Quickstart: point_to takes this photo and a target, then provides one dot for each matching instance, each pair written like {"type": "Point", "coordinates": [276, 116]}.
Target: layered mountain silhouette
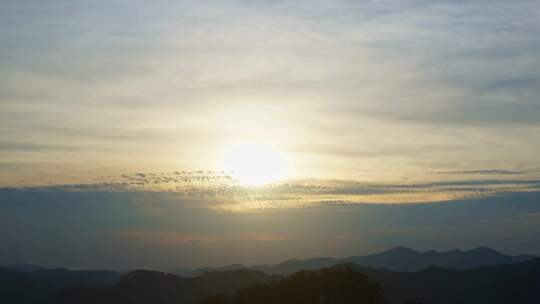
{"type": "Point", "coordinates": [200, 271]}
{"type": "Point", "coordinates": [510, 283]}
{"type": "Point", "coordinates": [515, 283]}
{"type": "Point", "coordinates": [477, 276]}
{"type": "Point", "coordinates": [398, 259]}
{"type": "Point", "coordinates": [143, 286]}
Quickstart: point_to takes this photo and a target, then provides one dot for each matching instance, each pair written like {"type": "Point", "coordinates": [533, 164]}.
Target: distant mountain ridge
{"type": "Point", "coordinates": [406, 259]}
{"type": "Point", "coordinates": [200, 271]}
{"type": "Point", "coordinates": [398, 259]}
{"type": "Point", "coordinates": [22, 266]}
{"type": "Point", "coordinates": [510, 283]}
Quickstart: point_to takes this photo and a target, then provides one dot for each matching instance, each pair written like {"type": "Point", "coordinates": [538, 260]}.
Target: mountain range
{"type": "Point", "coordinates": [456, 276]}
{"type": "Point", "coordinates": [503, 284]}
{"type": "Point", "coordinates": [397, 258]}
{"type": "Point", "coordinates": [144, 286]}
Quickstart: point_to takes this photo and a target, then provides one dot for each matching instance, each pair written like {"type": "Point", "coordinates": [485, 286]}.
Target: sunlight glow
{"type": "Point", "coordinates": [254, 163]}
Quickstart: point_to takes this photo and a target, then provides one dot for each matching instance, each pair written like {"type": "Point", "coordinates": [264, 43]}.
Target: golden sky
{"type": "Point", "coordinates": [369, 91]}
{"type": "Point", "coordinates": [179, 133]}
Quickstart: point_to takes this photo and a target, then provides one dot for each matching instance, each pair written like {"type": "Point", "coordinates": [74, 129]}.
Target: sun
{"type": "Point", "coordinates": [254, 163]}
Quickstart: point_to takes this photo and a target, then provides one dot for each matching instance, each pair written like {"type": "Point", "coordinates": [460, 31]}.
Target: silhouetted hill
{"type": "Point", "coordinates": [295, 265]}
{"type": "Point", "coordinates": [404, 259]}
{"type": "Point", "coordinates": [155, 287]}
{"type": "Point", "coordinates": [200, 271]}
{"type": "Point", "coordinates": [330, 285]}
{"type": "Point", "coordinates": [24, 267]}
{"type": "Point", "coordinates": [398, 259]}
{"type": "Point", "coordinates": [34, 286]}
{"type": "Point", "coordinates": [510, 283]}
{"type": "Point", "coordinates": [183, 272]}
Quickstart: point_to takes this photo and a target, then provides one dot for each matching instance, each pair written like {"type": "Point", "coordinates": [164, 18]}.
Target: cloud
{"type": "Point", "coordinates": [481, 172]}
{"type": "Point", "coordinates": [156, 237]}
{"type": "Point", "coordinates": [382, 88]}
{"type": "Point", "coordinates": [33, 147]}
{"type": "Point", "coordinates": [217, 191]}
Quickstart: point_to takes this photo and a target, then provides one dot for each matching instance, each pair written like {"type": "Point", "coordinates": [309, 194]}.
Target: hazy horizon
{"type": "Point", "coordinates": [217, 267]}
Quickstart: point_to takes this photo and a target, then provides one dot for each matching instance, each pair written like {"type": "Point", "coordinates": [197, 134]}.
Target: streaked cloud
{"type": "Point", "coordinates": [407, 121]}
{"type": "Point", "coordinates": [413, 86]}
{"type": "Point", "coordinates": [218, 190]}
{"type": "Point", "coordinates": [153, 237]}
{"type": "Point", "coordinates": [481, 172]}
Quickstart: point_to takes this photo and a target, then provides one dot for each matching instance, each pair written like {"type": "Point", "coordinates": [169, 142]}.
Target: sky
{"type": "Point", "coordinates": [395, 123]}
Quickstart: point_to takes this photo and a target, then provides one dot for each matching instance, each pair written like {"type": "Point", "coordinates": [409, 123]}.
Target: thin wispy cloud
{"type": "Point", "coordinates": [482, 172]}
{"type": "Point", "coordinates": [406, 120]}
{"type": "Point", "coordinates": [409, 85]}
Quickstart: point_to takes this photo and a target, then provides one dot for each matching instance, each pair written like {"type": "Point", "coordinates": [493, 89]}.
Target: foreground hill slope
{"type": "Point", "coordinates": [24, 286]}
{"type": "Point", "coordinates": [512, 283]}
{"type": "Point", "coordinates": [326, 286]}
{"type": "Point", "coordinates": [143, 286]}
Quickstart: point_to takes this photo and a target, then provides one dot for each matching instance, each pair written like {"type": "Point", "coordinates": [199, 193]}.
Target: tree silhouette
{"type": "Point", "coordinates": [327, 286]}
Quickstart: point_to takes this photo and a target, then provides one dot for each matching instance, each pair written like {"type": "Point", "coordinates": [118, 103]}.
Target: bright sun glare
{"type": "Point", "coordinates": [254, 163]}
